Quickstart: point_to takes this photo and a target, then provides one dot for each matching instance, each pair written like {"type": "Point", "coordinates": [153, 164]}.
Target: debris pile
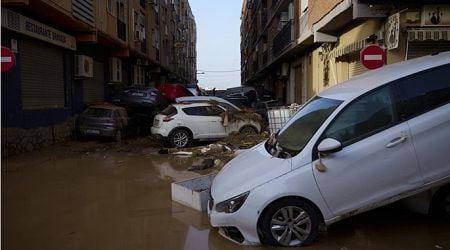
{"type": "Point", "coordinates": [217, 154]}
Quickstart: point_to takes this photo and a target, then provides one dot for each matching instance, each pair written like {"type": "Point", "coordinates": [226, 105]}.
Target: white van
{"type": "Point", "coordinates": [375, 139]}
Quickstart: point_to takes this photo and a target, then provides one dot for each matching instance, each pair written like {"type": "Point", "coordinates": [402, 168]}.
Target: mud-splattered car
{"type": "Point", "coordinates": [182, 123]}
{"type": "Point", "coordinates": [103, 121]}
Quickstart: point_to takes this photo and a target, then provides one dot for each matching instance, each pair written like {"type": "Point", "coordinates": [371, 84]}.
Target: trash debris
{"type": "Point", "coordinates": [206, 163]}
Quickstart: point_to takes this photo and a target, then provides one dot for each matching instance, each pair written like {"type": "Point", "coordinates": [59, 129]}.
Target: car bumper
{"type": "Point", "coordinates": [160, 131]}
{"type": "Point", "coordinates": [239, 227]}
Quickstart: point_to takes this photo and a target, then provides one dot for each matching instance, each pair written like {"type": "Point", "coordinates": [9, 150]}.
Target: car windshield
{"type": "Point", "coordinates": [293, 137]}
{"type": "Point", "coordinates": [170, 111]}
{"type": "Point", "coordinates": [98, 112]}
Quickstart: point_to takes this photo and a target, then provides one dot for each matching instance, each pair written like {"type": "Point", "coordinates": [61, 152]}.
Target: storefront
{"type": "Point", "coordinates": [37, 92]}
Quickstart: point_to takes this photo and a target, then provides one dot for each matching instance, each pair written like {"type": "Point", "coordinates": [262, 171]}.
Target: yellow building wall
{"type": "Point", "coordinates": [338, 70]}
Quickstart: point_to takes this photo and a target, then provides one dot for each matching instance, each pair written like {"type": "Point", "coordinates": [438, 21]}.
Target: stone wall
{"type": "Point", "coordinates": [18, 140]}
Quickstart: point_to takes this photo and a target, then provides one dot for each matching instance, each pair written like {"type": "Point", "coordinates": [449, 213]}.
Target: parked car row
{"type": "Point", "coordinates": [189, 118]}
{"type": "Point", "coordinates": [133, 111]}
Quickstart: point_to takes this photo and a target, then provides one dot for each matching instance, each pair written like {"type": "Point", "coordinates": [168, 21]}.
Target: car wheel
{"type": "Point", "coordinates": [441, 203]}
{"type": "Point", "coordinates": [248, 130]}
{"type": "Point", "coordinates": [118, 136]}
{"type": "Point", "coordinates": [180, 138]}
{"type": "Point", "coordinates": [290, 222]}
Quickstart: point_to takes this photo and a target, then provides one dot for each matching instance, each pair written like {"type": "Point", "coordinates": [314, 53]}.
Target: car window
{"type": "Point", "coordinates": [227, 106]}
{"type": "Point", "coordinates": [424, 91]}
{"type": "Point", "coordinates": [296, 133]}
{"type": "Point", "coordinates": [198, 111]}
{"type": "Point", "coordinates": [366, 116]}
{"type": "Point", "coordinates": [98, 112]}
{"type": "Point", "coordinates": [214, 111]}
{"type": "Point", "coordinates": [170, 111]}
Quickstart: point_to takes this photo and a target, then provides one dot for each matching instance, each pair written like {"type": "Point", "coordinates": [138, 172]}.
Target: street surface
{"type": "Point", "coordinates": [99, 195]}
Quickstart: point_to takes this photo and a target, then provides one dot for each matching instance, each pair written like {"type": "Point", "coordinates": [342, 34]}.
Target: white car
{"type": "Point", "coordinates": [375, 139]}
{"type": "Point", "coordinates": [181, 123]}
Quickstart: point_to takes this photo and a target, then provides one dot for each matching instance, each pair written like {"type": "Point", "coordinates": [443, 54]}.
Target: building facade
{"type": "Point", "coordinates": [298, 48]}
{"type": "Point", "coordinates": [72, 53]}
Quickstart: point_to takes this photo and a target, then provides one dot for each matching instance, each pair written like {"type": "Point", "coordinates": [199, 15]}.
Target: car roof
{"type": "Point", "coordinates": [361, 84]}
{"type": "Point", "coordinates": [189, 105]}
{"type": "Point", "coordinates": [204, 99]}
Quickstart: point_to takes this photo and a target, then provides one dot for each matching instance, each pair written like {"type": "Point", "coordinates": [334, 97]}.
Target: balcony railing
{"type": "Point", "coordinates": [282, 39]}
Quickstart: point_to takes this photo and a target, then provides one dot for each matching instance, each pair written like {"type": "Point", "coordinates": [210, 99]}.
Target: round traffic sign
{"type": "Point", "coordinates": [8, 59]}
{"type": "Point", "coordinates": [373, 56]}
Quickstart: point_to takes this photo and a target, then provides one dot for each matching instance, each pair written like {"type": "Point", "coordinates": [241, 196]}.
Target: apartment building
{"type": "Point", "coordinates": [72, 53]}
{"type": "Point", "coordinates": [298, 48]}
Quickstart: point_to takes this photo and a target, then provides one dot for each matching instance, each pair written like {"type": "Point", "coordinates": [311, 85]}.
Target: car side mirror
{"type": "Point", "coordinates": [329, 145]}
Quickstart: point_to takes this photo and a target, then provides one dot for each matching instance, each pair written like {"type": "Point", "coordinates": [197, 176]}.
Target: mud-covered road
{"type": "Point", "coordinates": [99, 195]}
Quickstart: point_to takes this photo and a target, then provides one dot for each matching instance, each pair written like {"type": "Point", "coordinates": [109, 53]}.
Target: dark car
{"type": "Point", "coordinates": [173, 90]}
{"type": "Point", "coordinates": [103, 121]}
{"type": "Point", "coordinates": [242, 96]}
{"type": "Point", "coordinates": [141, 97]}
{"type": "Point", "coordinates": [194, 89]}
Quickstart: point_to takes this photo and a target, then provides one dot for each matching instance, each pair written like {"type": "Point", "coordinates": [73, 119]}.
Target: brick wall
{"type": "Point", "coordinates": [319, 8]}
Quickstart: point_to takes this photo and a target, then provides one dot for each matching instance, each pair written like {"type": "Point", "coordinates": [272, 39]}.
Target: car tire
{"type": "Point", "coordinates": [248, 130]}
{"type": "Point", "coordinates": [180, 138]}
{"type": "Point", "coordinates": [118, 135]}
{"type": "Point", "coordinates": [440, 206]}
{"type": "Point", "coordinates": [289, 222]}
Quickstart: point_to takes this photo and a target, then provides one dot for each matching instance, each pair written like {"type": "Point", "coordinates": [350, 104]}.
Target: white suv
{"type": "Point", "coordinates": [182, 123]}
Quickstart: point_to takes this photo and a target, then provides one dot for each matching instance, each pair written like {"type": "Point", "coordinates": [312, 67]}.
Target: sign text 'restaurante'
{"type": "Point", "coordinates": [37, 29]}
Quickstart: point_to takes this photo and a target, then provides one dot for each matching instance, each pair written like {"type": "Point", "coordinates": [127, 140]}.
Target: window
{"type": "Point", "coordinates": [366, 116]}
{"type": "Point", "coordinates": [198, 111]}
{"type": "Point", "coordinates": [424, 91]}
{"type": "Point", "coordinates": [121, 10]}
{"type": "Point", "coordinates": [302, 126]}
{"type": "Point", "coordinates": [214, 111]}
{"type": "Point", "coordinates": [109, 7]}
{"type": "Point", "coordinates": [138, 75]}
{"type": "Point", "coordinates": [169, 111]}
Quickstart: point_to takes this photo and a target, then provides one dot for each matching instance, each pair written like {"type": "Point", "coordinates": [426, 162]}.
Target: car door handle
{"type": "Point", "coordinates": [396, 141]}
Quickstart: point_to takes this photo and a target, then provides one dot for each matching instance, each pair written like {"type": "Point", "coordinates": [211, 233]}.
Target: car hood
{"type": "Point", "coordinates": [247, 171]}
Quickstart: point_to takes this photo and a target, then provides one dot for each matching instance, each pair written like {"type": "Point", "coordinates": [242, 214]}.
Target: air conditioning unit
{"type": "Point", "coordinates": [84, 66]}
{"type": "Point", "coordinates": [115, 69]}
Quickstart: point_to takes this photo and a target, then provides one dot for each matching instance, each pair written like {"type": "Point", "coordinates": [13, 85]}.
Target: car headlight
{"type": "Point", "coordinates": [233, 204]}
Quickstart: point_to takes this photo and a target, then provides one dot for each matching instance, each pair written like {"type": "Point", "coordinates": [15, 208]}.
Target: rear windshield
{"type": "Point", "coordinates": [135, 92]}
{"type": "Point", "coordinates": [169, 111]}
{"type": "Point", "coordinates": [98, 112]}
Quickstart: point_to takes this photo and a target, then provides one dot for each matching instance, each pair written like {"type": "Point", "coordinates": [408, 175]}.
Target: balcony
{"type": "Point", "coordinates": [282, 39]}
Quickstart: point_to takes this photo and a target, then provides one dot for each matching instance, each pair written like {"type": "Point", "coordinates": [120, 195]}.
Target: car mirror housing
{"type": "Point", "coordinates": [329, 145]}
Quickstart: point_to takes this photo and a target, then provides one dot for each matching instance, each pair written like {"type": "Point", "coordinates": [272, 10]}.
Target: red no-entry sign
{"type": "Point", "coordinates": [8, 59]}
{"type": "Point", "coordinates": [372, 56]}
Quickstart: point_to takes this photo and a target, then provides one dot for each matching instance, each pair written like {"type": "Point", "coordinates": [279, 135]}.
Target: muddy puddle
{"type": "Point", "coordinates": [84, 195]}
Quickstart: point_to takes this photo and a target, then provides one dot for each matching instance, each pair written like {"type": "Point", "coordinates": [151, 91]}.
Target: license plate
{"type": "Point", "coordinates": [138, 94]}
{"type": "Point", "coordinates": [93, 131]}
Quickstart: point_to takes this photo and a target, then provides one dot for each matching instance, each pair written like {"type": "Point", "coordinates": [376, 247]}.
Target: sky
{"type": "Point", "coordinates": [218, 42]}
